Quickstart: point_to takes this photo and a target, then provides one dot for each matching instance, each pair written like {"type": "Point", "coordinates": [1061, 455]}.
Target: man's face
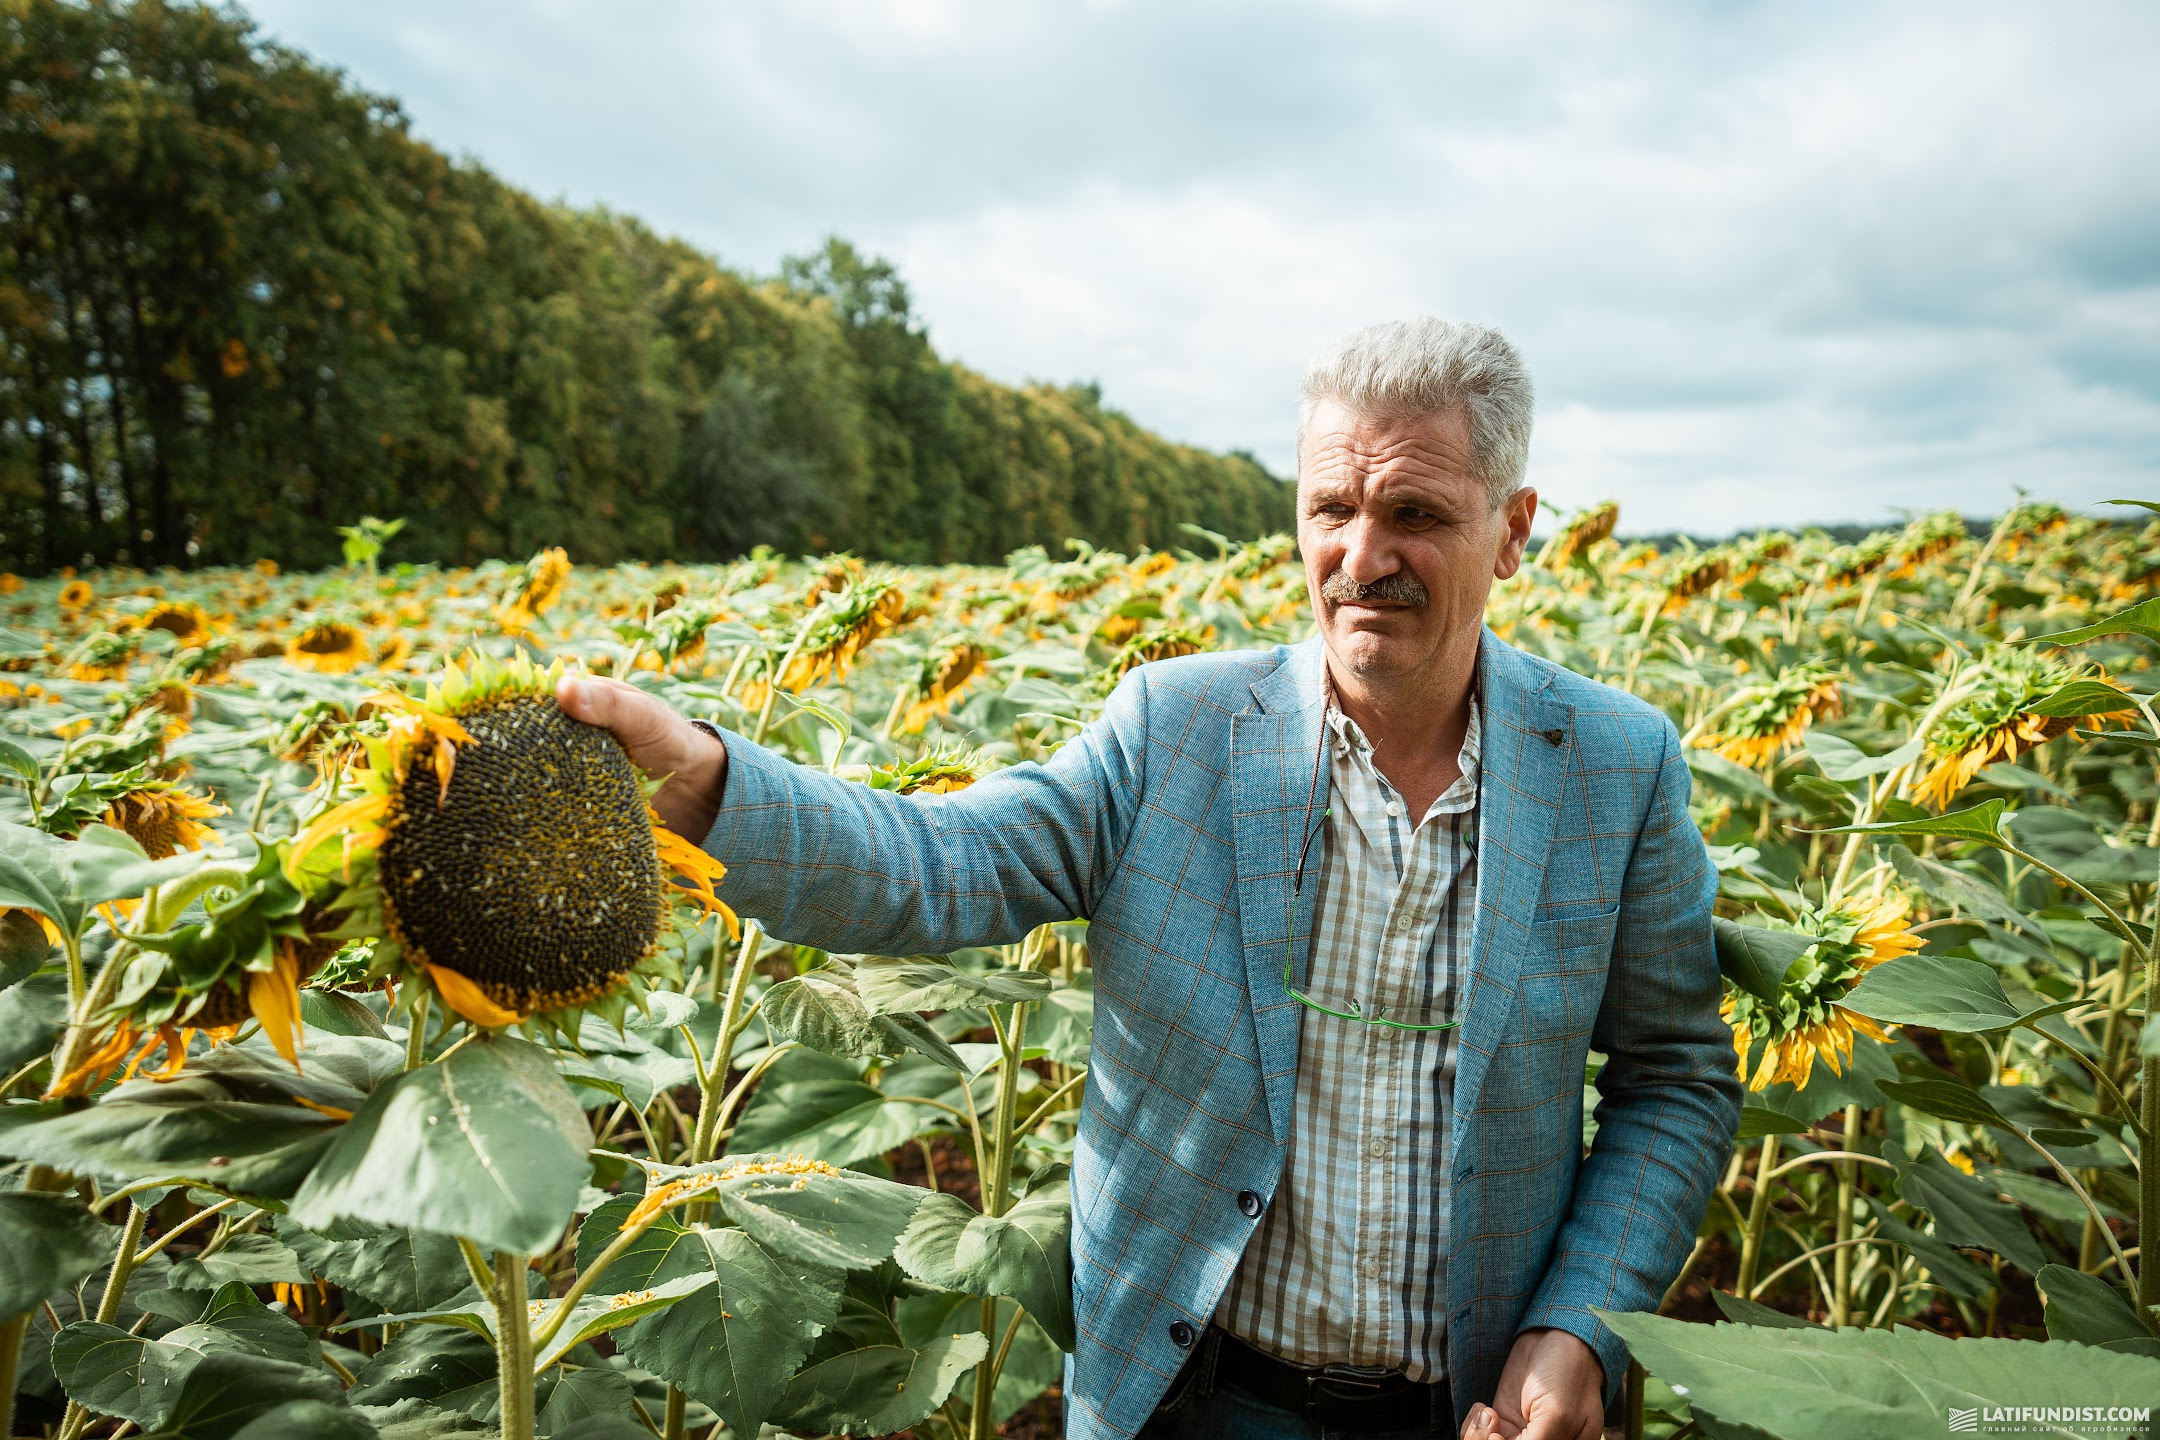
{"type": "Point", "coordinates": [1400, 545]}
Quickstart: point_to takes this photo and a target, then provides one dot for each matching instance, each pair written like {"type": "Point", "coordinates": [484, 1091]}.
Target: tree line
{"type": "Point", "coordinates": [242, 304]}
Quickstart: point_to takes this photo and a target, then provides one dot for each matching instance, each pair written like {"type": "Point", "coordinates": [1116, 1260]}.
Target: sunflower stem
{"type": "Point", "coordinates": [513, 1347]}
{"type": "Point", "coordinates": [1841, 1265]}
{"type": "Point", "coordinates": [706, 1137]}
{"type": "Point", "coordinates": [772, 686]}
{"type": "Point", "coordinates": [77, 1419]}
{"type": "Point", "coordinates": [1758, 1218]}
{"type": "Point", "coordinates": [416, 1037]}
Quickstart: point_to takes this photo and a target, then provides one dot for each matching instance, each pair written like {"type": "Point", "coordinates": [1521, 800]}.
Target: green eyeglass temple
{"type": "Point", "coordinates": [1356, 1012]}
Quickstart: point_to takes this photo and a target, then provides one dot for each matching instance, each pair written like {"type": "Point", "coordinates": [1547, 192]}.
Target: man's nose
{"type": "Point", "coordinates": [1368, 552]}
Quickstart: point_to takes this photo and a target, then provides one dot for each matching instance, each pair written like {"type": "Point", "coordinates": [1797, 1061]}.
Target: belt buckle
{"type": "Point", "coordinates": [1346, 1385]}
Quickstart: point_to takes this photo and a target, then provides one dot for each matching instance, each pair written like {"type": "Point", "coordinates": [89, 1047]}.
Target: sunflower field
{"type": "Point", "coordinates": [375, 1065]}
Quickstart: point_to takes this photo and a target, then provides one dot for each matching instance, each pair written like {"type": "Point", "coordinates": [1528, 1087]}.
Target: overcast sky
{"type": "Point", "coordinates": [1768, 263]}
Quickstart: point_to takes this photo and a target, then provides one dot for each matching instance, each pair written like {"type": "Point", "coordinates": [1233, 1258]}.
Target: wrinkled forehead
{"type": "Point", "coordinates": [1353, 455]}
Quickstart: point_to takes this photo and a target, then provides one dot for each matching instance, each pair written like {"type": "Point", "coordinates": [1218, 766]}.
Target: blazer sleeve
{"type": "Point", "coordinates": [835, 864]}
{"type": "Point", "coordinates": [1669, 1101]}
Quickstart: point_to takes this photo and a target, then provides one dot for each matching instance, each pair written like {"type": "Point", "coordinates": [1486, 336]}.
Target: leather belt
{"type": "Point", "coordinates": [1354, 1400]}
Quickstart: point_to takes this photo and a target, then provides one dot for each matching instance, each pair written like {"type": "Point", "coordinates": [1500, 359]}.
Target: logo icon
{"type": "Point", "coordinates": [1964, 1420]}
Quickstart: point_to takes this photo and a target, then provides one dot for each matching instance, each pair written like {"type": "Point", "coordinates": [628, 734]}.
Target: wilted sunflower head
{"type": "Point", "coordinates": [946, 672]}
{"type": "Point", "coordinates": [331, 647]}
{"type": "Point", "coordinates": [104, 655]}
{"type": "Point", "coordinates": [1767, 718]}
{"type": "Point", "coordinates": [1697, 575]}
{"type": "Point", "coordinates": [546, 575]}
{"type": "Point", "coordinates": [1854, 936]}
{"type": "Point", "coordinates": [504, 852]}
{"type": "Point", "coordinates": [184, 620]}
{"type": "Point", "coordinates": [1161, 645]}
{"type": "Point", "coordinates": [1994, 722]}
{"type": "Point", "coordinates": [944, 769]}
{"type": "Point", "coordinates": [1147, 567]}
{"type": "Point", "coordinates": [1585, 530]}
{"type": "Point", "coordinates": [1926, 538]}
{"type": "Point", "coordinates": [844, 623]}
{"type": "Point", "coordinates": [163, 818]}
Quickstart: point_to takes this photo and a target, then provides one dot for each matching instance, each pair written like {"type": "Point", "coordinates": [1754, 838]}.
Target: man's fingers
{"type": "Point", "coordinates": [1485, 1423]}
{"type": "Point", "coordinates": [644, 726]}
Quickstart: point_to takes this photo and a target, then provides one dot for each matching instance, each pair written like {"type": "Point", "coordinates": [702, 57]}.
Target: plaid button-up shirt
{"type": "Point", "coordinates": [1349, 1264]}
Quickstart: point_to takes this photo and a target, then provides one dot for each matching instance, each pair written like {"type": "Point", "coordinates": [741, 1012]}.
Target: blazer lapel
{"type": "Point", "coordinates": [1528, 734]}
{"type": "Point", "coordinates": [1273, 751]}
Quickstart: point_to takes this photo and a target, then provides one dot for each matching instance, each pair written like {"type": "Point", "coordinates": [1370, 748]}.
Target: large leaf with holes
{"type": "Point", "coordinates": [107, 1370]}
{"type": "Point", "coordinates": [1856, 1384]}
{"type": "Point", "coordinates": [488, 1144]}
{"type": "Point", "coordinates": [1025, 1253]}
{"type": "Point", "coordinates": [739, 1332]}
{"type": "Point", "coordinates": [879, 1389]}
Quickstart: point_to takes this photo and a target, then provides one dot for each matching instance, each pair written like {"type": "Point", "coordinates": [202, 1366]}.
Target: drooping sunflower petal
{"type": "Point", "coordinates": [274, 996]}
{"type": "Point", "coordinates": [469, 1001]}
{"type": "Point", "coordinates": [361, 811]}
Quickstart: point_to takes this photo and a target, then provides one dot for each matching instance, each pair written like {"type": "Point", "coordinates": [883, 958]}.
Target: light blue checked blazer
{"type": "Point", "coordinates": [1172, 825]}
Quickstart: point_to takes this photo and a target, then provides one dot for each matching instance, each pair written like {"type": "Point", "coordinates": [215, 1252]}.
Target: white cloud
{"type": "Point", "coordinates": [1769, 263]}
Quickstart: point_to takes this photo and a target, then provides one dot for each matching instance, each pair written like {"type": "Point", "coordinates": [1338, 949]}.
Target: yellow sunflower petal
{"type": "Point", "coordinates": [274, 996]}
{"type": "Point", "coordinates": [469, 1001]}
{"type": "Point", "coordinates": [363, 810]}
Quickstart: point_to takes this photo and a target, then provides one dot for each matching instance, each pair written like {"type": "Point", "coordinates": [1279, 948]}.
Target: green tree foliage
{"type": "Point", "coordinates": [243, 305]}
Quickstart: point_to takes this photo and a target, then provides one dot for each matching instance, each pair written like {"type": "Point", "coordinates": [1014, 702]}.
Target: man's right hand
{"type": "Point", "coordinates": [661, 743]}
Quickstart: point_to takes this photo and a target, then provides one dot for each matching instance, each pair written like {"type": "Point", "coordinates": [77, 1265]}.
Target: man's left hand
{"type": "Point", "coordinates": [1552, 1388]}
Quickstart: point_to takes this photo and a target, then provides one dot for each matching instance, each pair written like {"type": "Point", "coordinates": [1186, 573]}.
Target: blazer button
{"type": "Point", "coordinates": [1181, 1335]}
{"type": "Point", "coordinates": [1249, 1204]}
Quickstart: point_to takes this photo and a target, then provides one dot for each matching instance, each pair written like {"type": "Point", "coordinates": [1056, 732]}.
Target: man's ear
{"type": "Point", "coordinates": [1516, 513]}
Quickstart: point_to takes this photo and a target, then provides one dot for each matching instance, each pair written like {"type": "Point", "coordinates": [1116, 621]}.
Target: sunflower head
{"type": "Point", "coordinates": [1696, 575]}
{"type": "Point", "coordinates": [329, 647]}
{"type": "Point", "coordinates": [503, 852]}
{"type": "Point", "coordinates": [1994, 721]}
{"type": "Point", "coordinates": [1852, 937]}
{"type": "Point", "coordinates": [163, 818]}
{"type": "Point", "coordinates": [103, 655]}
{"type": "Point", "coordinates": [945, 674]}
{"type": "Point", "coordinates": [1766, 719]}
{"type": "Point", "coordinates": [184, 620]}
{"type": "Point", "coordinates": [546, 575]}
{"type": "Point", "coordinates": [1145, 649]}
{"type": "Point", "coordinates": [845, 622]}
{"type": "Point", "coordinates": [944, 769]}
{"type": "Point", "coordinates": [1585, 530]}
{"type": "Point", "coordinates": [76, 594]}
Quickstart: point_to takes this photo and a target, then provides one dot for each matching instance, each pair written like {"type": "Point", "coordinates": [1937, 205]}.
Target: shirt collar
{"type": "Point", "coordinates": [1351, 741]}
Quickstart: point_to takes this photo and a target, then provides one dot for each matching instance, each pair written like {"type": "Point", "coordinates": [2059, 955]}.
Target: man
{"type": "Point", "coordinates": [1360, 909]}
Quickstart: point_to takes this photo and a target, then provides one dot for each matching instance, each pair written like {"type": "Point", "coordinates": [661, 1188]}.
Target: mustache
{"type": "Point", "coordinates": [1401, 588]}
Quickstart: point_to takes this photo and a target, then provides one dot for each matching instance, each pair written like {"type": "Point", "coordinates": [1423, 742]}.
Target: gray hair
{"type": "Point", "coordinates": [1412, 369]}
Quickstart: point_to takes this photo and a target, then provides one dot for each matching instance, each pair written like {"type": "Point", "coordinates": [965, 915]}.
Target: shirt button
{"type": "Point", "coordinates": [1394, 809]}
{"type": "Point", "coordinates": [1249, 1204]}
{"type": "Point", "coordinates": [1377, 1149]}
{"type": "Point", "coordinates": [1402, 922]}
{"type": "Point", "coordinates": [1181, 1335]}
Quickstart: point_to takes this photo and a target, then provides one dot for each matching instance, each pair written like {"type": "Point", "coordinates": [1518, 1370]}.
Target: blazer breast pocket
{"type": "Point", "coordinates": [1564, 970]}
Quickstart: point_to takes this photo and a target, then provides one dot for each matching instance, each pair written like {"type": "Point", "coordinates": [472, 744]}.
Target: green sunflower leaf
{"type": "Point", "coordinates": [1859, 1384]}
{"type": "Point", "coordinates": [2142, 619]}
{"type": "Point", "coordinates": [1756, 959]}
{"type": "Point", "coordinates": [2089, 1310]}
{"type": "Point", "coordinates": [1982, 822]}
{"type": "Point", "coordinates": [488, 1144]}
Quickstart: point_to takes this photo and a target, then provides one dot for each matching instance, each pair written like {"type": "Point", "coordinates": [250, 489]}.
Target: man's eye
{"type": "Point", "coordinates": [1412, 518]}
